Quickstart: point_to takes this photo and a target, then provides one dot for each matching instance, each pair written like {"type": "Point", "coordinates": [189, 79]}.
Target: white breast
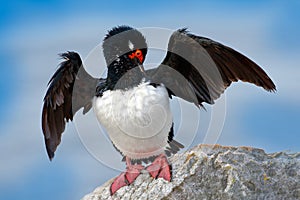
{"type": "Point", "coordinates": [137, 120]}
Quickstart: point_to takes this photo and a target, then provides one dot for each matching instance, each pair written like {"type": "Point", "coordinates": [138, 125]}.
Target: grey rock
{"type": "Point", "coordinates": [217, 172]}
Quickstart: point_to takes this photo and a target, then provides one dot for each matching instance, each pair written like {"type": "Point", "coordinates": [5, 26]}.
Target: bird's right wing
{"type": "Point", "coordinates": [199, 69]}
{"type": "Point", "coordinates": [62, 101]}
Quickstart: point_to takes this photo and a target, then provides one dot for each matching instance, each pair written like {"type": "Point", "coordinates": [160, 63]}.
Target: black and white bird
{"type": "Point", "coordinates": [132, 104]}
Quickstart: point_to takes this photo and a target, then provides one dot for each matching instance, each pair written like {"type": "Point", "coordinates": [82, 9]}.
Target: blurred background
{"type": "Point", "coordinates": [32, 33]}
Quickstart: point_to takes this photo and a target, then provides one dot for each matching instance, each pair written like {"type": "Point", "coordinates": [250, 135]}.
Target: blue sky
{"type": "Point", "coordinates": [32, 33]}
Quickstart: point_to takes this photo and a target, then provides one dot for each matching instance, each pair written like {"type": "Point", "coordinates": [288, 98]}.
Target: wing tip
{"type": "Point", "coordinates": [183, 30]}
{"type": "Point", "coordinates": [69, 55]}
{"type": "Point", "coordinates": [269, 86]}
{"type": "Point", "coordinates": [50, 151]}
{"type": "Point", "coordinates": [50, 154]}
{"type": "Point", "coordinates": [72, 57]}
{"type": "Point", "coordinates": [272, 90]}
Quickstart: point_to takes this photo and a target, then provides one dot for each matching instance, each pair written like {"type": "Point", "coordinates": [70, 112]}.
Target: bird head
{"type": "Point", "coordinates": [124, 49]}
{"type": "Point", "coordinates": [123, 43]}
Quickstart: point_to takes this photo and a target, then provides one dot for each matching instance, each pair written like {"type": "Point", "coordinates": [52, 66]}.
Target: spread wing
{"type": "Point", "coordinates": [62, 101]}
{"type": "Point", "coordinates": [199, 69]}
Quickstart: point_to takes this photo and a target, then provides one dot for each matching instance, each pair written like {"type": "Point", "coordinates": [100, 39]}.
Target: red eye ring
{"type": "Point", "coordinates": [137, 54]}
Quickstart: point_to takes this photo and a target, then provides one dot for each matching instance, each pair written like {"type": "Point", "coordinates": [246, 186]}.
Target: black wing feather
{"type": "Point", "coordinates": [199, 69]}
{"type": "Point", "coordinates": [61, 102]}
{"type": "Point", "coordinates": [234, 66]}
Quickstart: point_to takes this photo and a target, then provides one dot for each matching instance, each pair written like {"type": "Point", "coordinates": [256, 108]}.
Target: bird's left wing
{"type": "Point", "coordinates": [199, 69]}
{"type": "Point", "coordinates": [62, 101]}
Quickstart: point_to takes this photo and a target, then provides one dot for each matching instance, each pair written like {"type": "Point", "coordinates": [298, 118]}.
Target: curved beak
{"type": "Point", "coordinates": [140, 65]}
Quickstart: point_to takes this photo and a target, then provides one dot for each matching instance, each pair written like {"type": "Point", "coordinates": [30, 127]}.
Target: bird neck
{"type": "Point", "coordinates": [123, 76]}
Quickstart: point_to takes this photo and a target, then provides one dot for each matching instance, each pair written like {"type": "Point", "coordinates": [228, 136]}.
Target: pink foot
{"type": "Point", "coordinates": [119, 182]}
{"type": "Point", "coordinates": [165, 173]}
{"type": "Point", "coordinates": [160, 168]}
{"type": "Point", "coordinates": [126, 178]}
{"type": "Point", "coordinates": [132, 172]}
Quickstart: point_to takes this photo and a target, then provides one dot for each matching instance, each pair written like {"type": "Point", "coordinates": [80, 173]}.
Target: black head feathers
{"type": "Point", "coordinates": [116, 30]}
{"type": "Point", "coordinates": [121, 40]}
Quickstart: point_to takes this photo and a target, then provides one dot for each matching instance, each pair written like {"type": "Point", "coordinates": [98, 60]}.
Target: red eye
{"type": "Point", "coordinates": [138, 53]}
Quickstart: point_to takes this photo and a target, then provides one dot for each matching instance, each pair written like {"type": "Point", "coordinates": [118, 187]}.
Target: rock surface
{"type": "Point", "coordinates": [217, 172]}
